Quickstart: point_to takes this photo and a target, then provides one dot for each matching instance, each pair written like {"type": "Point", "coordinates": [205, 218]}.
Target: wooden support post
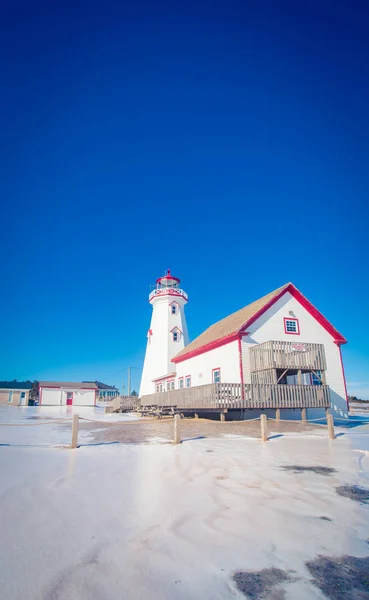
{"type": "Point", "coordinates": [264, 428]}
{"type": "Point", "coordinates": [177, 429]}
{"type": "Point", "coordinates": [303, 414]}
{"type": "Point", "coordinates": [299, 377]}
{"type": "Point", "coordinates": [196, 416]}
{"type": "Point", "coordinates": [277, 414]}
{"type": "Point", "coordinates": [222, 417]}
{"type": "Point", "coordinates": [330, 423]}
{"type": "Point", "coordinates": [74, 432]}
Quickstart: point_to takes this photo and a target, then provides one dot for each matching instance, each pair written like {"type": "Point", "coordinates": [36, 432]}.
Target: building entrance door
{"type": "Point", "coordinates": [69, 398]}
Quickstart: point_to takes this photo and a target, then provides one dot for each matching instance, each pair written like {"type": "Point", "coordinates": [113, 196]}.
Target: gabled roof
{"type": "Point", "coordinates": [78, 385]}
{"type": "Point", "coordinates": [15, 385]}
{"type": "Point", "coordinates": [233, 326]}
{"type": "Point", "coordinates": [101, 386]}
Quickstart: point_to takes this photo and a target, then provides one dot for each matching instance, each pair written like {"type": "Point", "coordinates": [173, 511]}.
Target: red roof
{"type": "Point", "coordinates": [236, 324]}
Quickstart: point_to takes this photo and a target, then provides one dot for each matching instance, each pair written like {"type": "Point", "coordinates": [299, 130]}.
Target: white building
{"type": "Point", "coordinates": [167, 335]}
{"type": "Point", "coordinates": [66, 393]}
{"type": "Point", "coordinates": [222, 354]}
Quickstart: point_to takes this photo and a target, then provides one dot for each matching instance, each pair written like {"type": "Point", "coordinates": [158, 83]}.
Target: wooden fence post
{"type": "Point", "coordinates": [75, 431]}
{"type": "Point", "coordinates": [330, 424]}
{"type": "Point", "coordinates": [222, 417]}
{"type": "Point", "coordinates": [264, 428]}
{"type": "Point", "coordinates": [277, 414]}
{"type": "Point", "coordinates": [196, 416]}
{"type": "Point", "coordinates": [303, 414]}
{"type": "Point", "coordinates": [177, 432]}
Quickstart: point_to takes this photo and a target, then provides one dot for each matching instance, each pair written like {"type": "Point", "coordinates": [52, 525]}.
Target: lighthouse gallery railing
{"type": "Point", "coordinates": [242, 396]}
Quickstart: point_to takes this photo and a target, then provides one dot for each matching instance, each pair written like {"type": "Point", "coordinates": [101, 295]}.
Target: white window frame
{"type": "Point", "coordinates": [216, 378]}
{"type": "Point", "coordinates": [10, 396]}
{"type": "Point", "coordinates": [188, 378]}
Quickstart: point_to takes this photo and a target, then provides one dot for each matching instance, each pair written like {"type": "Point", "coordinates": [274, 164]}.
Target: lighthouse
{"type": "Point", "coordinates": [167, 334]}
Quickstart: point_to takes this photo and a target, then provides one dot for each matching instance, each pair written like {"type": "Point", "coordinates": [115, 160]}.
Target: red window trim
{"type": "Point", "coordinates": [212, 374]}
{"type": "Point", "coordinates": [186, 377]}
{"type": "Point", "coordinates": [291, 332]}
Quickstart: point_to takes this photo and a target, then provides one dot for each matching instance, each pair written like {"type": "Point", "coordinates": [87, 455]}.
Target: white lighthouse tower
{"type": "Point", "coordinates": [167, 334]}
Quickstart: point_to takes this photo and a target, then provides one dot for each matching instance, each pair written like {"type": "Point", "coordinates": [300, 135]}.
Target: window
{"type": "Point", "coordinates": [316, 378]}
{"type": "Point", "coordinates": [172, 385]}
{"type": "Point", "coordinates": [176, 335]}
{"type": "Point", "coordinates": [173, 308]}
{"type": "Point", "coordinates": [180, 383]}
{"type": "Point", "coordinates": [23, 395]}
{"type": "Point", "coordinates": [10, 397]}
{"type": "Point", "coordinates": [188, 381]}
{"type": "Point", "coordinates": [216, 375]}
{"type": "Point", "coordinates": [157, 389]}
{"type": "Point", "coordinates": [168, 386]}
{"type": "Point", "coordinates": [161, 387]}
{"type": "Point", "coordinates": [291, 326]}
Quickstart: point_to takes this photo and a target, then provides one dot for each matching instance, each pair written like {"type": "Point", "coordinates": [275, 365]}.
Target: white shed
{"type": "Point", "coordinates": [66, 393]}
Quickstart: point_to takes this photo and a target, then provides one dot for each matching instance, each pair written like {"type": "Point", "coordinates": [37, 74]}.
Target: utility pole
{"type": "Point", "coordinates": [129, 381]}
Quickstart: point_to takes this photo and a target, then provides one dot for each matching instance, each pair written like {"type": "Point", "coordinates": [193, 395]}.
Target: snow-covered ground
{"type": "Point", "coordinates": [167, 522]}
{"type": "Point", "coordinates": [49, 425]}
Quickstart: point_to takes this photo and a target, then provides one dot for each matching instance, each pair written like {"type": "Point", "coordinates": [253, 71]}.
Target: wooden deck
{"type": "Point", "coordinates": [224, 396]}
{"type": "Point", "coordinates": [287, 355]}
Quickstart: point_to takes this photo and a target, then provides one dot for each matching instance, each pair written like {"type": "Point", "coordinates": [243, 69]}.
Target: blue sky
{"type": "Point", "coordinates": [227, 141]}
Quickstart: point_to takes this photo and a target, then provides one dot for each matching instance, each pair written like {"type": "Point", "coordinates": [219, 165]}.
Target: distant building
{"type": "Point", "coordinates": [16, 393]}
{"type": "Point", "coordinates": [104, 392]}
{"type": "Point", "coordinates": [67, 393]}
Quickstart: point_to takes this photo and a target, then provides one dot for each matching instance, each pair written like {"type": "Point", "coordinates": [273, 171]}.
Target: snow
{"type": "Point", "coordinates": [172, 522]}
{"type": "Point", "coordinates": [50, 432]}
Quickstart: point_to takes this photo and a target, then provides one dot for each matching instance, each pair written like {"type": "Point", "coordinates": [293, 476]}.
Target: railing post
{"type": "Point", "coordinates": [222, 417]}
{"type": "Point", "coordinates": [278, 414]}
{"type": "Point", "coordinates": [330, 424]}
{"type": "Point", "coordinates": [303, 414]}
{"type": "Point", "coordinates": [74, 432]}
{"type": "Point", "coordinates": [264, 428]}
{"type": "Point", "coordinates": [177, 432]}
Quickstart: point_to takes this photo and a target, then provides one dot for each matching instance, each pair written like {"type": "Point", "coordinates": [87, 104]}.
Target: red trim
{"type": "Point", "coordinates": [171, 375]}
{"type": "Point", "coordinates": [168, 276]}
{"type": "Point", "coordinates": [62, 387]}
{"type": "Point", "coordinates": [207, 347]}
{"type": "Point", "coordinates": [297, 326]}
{"type": "Point", "coordinates": [212, 375]}
{"type": "Point", "coordinates": [240, 360]}
{"type": "Point", "coordinates": [186, 377]}
{"type": "Point", "coordinates": [338, 338]}
{"type": "Point", "coordinates": [170, 292]}
{"type": "Point", "coordinates": [343, 374]}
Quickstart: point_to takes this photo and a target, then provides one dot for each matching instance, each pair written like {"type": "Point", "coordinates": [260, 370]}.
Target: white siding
{"type": "Point", "coordinates": [270, 326]}
{"type": "Point", "coordinates": [50, 397]}
{"type": "Point", "coordinates": [58, 397]}
{"type": "Point", "coordinates": [200, 367]}
{"type": "Point", "coordinates": [160, 347]}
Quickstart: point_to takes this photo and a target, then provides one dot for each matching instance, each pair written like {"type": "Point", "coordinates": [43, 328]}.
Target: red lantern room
{"type": "Point", "coordinates": [167, 281]}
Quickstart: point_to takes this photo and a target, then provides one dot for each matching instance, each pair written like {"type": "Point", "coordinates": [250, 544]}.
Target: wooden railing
{"type": "Point", "coordinates": [287, 355]}
{"type": "Point", "coordinates": [238, 395]}
{"type": "Point", "coordinates": [122, 403]}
